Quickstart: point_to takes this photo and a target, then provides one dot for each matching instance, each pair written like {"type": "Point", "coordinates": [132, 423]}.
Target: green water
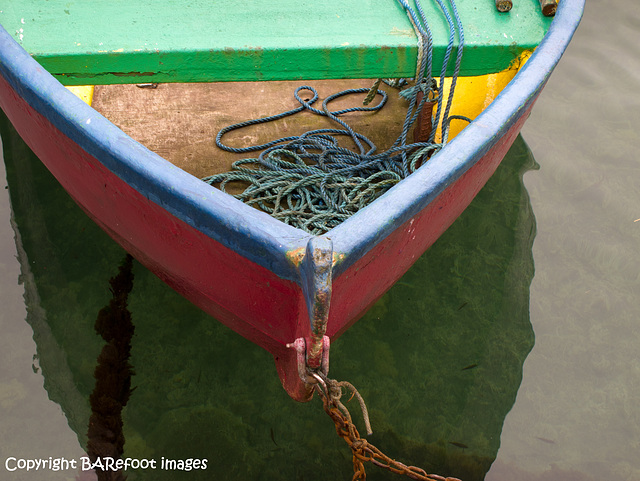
{"type": "Point", "coordinates": [471, 365]}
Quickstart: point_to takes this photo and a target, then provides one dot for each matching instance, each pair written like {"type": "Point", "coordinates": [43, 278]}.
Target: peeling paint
{"type": "Point", "coordinates": [403, 32]}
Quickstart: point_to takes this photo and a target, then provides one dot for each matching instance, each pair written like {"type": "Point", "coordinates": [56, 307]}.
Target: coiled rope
{"type": "Point", "coordinates": [312, 182]}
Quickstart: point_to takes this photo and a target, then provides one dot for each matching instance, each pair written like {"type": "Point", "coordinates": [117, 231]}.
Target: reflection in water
{"type": "Point", "coordinates": [438, 358]}
{"type": "Point", "coordinates": [113, 376]}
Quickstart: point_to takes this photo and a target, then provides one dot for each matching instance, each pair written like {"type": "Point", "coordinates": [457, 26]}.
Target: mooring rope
{"type": "Point", "coordinates": [312, 182]}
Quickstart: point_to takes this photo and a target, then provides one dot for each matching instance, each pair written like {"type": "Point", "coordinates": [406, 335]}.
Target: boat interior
{"type": "Point", "coordinates": [180, 121]}
{"type": "Point", "coordinates": [173, 89]}
{"type": "Point", "coordinates": [172, 76]}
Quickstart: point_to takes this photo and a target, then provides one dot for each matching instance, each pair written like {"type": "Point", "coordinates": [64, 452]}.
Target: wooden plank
{"type": "Point", "coordinates": [180, 121]}
{"type": "Point", "coordinates": [202, 40]}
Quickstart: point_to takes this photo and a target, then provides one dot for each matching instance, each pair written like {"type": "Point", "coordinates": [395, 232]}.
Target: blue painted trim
{"type": "Point", "coordinates": [253, 234]}
{"type": "Point", "coordinates": [364, 230]}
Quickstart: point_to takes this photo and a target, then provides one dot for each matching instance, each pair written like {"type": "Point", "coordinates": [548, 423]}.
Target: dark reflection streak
{"type": "Point", "coordinates": [113, 375]}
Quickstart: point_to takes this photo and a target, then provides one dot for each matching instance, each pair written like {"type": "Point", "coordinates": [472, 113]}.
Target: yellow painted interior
{"type": "Point", "coordinates": [474, 94]}
{"type": "Point", "coordinates": [83, 92]}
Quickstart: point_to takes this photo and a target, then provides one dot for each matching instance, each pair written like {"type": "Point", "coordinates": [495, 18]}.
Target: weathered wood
{"type": "Point", "coordinates": [180, 121]}
{"type": "Point", "coordinates": [120, 41]}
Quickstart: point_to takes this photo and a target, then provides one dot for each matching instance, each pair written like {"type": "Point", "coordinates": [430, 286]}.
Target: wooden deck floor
{"type": "Point", "coordinates": [180, 121]}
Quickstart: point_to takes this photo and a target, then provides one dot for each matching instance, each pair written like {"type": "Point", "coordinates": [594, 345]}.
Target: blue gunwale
{"type": "Point", "coordinates": [253, 234]}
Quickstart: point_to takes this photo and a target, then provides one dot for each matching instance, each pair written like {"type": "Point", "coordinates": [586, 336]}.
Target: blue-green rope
{"type": "Point", "coordinates": [311, 181]}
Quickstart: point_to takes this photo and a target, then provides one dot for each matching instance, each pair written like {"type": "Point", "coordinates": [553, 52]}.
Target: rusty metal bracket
{"type": "Point", "coordinates": [316, 272]}
{"type": "Point", "coordinates": [312, 350]}
{"type": "Point", "coordinates": [424, 123]}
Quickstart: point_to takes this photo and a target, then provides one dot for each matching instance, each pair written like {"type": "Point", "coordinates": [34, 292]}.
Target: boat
{"type": "Point", "coordinates": [287, 289]}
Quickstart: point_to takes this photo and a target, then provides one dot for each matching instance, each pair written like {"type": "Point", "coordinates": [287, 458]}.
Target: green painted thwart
{"type": "Point", "coordinates": [125, 42]}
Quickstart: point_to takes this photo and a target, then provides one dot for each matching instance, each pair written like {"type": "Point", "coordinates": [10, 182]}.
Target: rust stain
{"type": "Point", "coordinates": [100, 74]}
{"type": "Point", "coordinates": [338, 257]}
{"type": "Point", "coordinates": [295, 256]}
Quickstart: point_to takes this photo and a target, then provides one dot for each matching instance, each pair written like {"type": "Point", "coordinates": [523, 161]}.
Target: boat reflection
{"type": "Point", "coordinates": [438, 359]}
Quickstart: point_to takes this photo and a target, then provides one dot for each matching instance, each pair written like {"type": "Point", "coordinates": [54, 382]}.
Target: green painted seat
{"type": "Point", "coordinates": [125, 41]}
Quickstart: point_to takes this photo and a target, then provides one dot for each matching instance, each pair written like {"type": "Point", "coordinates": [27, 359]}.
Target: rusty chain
{"type": "Point", "coordinates": [331, 391]}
